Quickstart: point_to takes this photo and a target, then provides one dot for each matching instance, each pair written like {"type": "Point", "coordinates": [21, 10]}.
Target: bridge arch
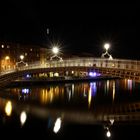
{"type": "Point", "coordinates": [115, 68]}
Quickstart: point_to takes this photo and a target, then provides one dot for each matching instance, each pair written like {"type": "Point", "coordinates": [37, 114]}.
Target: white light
{"type": "Point", "coordinates": [55, 50]}
{"type": "Point", "coordinates": [21, 57]}
{"type": "Point", "coordinates": [48, 31]}
{"type": "Point", "coordinates": [23, 117]}
{"type": "Point", "coordinates": [2, 46]}
{"type": "Point", "coordinates": [57, 125]}
{"type": "Point", "coordinates": [108, 134]}
{"type": "Point", "coordinates": [111, 121]}
{"type": "Point", "coordinates": [72, 72]}
{"type": "Point", "coordinates": [107, 46]}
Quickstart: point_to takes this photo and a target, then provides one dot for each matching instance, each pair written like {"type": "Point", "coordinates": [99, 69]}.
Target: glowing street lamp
{"type": "Point", "coordinates": [21, 61]}
{"type": "Point", "coordinates": [55, 51]}
{"type": "Point", "coordinates": [21, 57]}
{"type": "Point", "coordinates": [107, 46]}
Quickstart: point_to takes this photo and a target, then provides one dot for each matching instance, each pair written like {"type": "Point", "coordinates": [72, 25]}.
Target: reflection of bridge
{"type": "Point", "coordinates": [115, 68]}
{"type": "Point", "coordinates": [122, 113]}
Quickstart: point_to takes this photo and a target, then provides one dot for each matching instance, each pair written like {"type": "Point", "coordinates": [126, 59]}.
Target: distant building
{"type": "Point", "coordinates": [10, 54]}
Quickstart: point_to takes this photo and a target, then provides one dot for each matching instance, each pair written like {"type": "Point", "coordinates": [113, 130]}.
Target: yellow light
{"type": "Point", "coordinates": [7, 58]}
{"type": "Point", "coordinates": [8, 108]}
{"type": "Point", "coordinates": [89, 97]}
{"type": "Point", "coordinates": [23, 117]}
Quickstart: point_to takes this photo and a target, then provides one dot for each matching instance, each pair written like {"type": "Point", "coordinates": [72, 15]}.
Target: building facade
{"type": "Point", "coordinates": [10, 54]}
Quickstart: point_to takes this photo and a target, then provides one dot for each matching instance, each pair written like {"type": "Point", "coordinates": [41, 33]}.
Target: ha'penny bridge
{"type": "Point", "coordinates": [81, 67]}
{"type": "Point", "coordinates": [129, 69]}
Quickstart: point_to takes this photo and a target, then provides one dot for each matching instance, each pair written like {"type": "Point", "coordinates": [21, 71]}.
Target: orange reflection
{"type": "Point", "coordinates": [48, 95]}
{"type": "Point", "coordinates": [8, 108]}
{"type": "Point", "coordinates": [89, 97]}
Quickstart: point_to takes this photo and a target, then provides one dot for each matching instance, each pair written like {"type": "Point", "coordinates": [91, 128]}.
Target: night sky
{"type": "Point", "coordinates": [78, 28]}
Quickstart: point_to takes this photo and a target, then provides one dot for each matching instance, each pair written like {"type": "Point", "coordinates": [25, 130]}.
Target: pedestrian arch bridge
{"type": "Point", "coordinates": [129, 69]}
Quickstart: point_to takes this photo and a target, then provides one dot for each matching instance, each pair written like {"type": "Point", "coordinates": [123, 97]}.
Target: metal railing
{"type": "Point", "coordinates": [81, 62]}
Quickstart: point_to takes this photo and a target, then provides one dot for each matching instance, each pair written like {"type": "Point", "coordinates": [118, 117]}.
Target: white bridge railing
{"type": "Point", "coordinates": [82, 62]}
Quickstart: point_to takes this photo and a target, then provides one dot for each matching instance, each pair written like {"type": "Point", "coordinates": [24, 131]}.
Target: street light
{"type": "Point", "coordinates": [107, 46]}
{"type": "Point", "coordinates": [21, 61]}
{"type": "Point", "coordinates": [55, 51]}
{"type": "Point", "coordinates": [21, 57]}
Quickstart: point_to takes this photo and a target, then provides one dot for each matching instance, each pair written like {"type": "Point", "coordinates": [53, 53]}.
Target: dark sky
{"type": "Point", "coordinates": [79, 28]}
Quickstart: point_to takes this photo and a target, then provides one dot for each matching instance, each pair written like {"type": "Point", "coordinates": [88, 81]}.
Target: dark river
{"type": "Point", "coordinates": [70, 110]}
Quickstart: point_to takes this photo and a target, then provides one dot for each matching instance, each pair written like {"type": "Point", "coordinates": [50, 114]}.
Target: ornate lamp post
{"type": "Point", "coordinates": [107, 46]}
{"type": "Point", "coordinates": [21, 61]}
{"type": "Point", "coordinates": [55, 51]}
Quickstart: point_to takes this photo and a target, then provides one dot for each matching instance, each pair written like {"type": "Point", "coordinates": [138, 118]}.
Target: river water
{"type": "Point", "coordinates": [40, 107]}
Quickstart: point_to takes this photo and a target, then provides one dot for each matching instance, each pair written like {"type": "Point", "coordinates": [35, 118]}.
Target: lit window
{"type": "Point", "coordinates": [31, 49]}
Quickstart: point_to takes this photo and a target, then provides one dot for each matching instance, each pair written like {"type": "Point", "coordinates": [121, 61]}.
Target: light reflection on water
{"type": "Point", "coordinates": [83, 95]}
{"type": "Point", "coordinates": [88, 96]}
{"type": "Point", "coordinates": [75, 102]}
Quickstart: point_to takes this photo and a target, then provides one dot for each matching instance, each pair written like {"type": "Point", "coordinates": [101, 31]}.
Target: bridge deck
{"type": "Point", "coordinates": [129, 69]}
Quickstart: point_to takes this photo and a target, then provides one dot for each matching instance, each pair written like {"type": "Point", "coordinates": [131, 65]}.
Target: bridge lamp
{"type": "Point", "coordinates": [21, 57]}
{"type": "Point", "coordinates": [55, 50]}
{"type": "Point", "coordinates": [107, 46]}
